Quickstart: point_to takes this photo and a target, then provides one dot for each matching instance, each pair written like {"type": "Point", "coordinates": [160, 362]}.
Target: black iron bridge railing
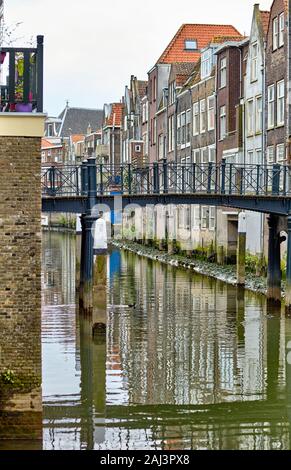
{"type": "Point", "coordinates": [164, 177]}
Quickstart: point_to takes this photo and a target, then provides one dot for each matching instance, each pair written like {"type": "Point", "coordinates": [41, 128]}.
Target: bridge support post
{"type": "Point", "coordinates": [274, 260]}
{"type": "Point", "coordinates": [288, 271]}
{"type": "Point", "coordinates": [86, 265]}
{"type": "Point", "coordinates": [241, 250]}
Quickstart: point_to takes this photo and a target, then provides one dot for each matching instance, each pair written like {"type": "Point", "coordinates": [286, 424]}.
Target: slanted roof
{"type": "Point", "coordinates": [77, 138]}
{"type": "Point", "coordinates": [182, 71]}
{"type": "Point", "coordinates": [76, 120]}
{"type": "Point", "coordinates": [47, 144]}
{"type": "Point", "coordinates": [202, 33]}
{"type": "Point", "coordinates": [115, 115]}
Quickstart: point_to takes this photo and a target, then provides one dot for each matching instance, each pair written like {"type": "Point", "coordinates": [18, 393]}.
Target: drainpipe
{"type": "Point", "coordinates": [113, 140]}
{"type": "Point", "coordinates": [288, 78]}
{"type": "Point", "coordinates": [264, 134]}
{"type": "Point", "coordinates": [175, 130]}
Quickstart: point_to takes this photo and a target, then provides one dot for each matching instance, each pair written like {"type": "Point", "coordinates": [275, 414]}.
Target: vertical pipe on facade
{"type": "Point", "coordinates": [175, 129]}
{"type": "Point", "coordinates": [113, 139]}
{"type": "Point", "coordinates": [263, 125]}
{"type": "Point", "coordinates": [288, 77]}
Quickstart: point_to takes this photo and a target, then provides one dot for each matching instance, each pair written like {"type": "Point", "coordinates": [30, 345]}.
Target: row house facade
{"type": "Point", "coordinates": [215, 96]}
{"type": "Point", "coordinates": [132, 140]}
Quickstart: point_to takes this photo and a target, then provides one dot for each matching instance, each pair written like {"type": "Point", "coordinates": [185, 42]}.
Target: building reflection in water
{"type": "Point", "coordinates": [197, 364]}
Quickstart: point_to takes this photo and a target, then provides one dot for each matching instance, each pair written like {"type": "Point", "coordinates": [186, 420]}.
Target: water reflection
{"type": "Point", "coordinates": [197, 364]}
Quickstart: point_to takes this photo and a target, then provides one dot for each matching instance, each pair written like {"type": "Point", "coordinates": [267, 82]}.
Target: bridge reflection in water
{"type": "Point", "coordinates": [197, 364]}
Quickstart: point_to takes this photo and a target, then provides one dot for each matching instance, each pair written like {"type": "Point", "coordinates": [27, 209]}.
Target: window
{"type": "Point", "coordinates": [250, 160]}
{"type": "Point", "coordinates": [259, 114]}
{"type": "Point", "coordinates": [206, 64]}
{"type": "Point", "coordinates": [270, 154]}
{"type": "Point", "coordinates": [195, 118]}
{"type": "Point", "coordinates": [223, 72]}
{"type": "Point", "coordinates": [211, 113]}
{"type": "Point", "coordinates": [191, 45]}
{"type": "Point", "coordinates": [222, 119]}
{"type": "Point", "coordinates": [155, 88]}
{"type": "Point", "coordinates": [280, 152]}
{"type": "Point", "coordinates": [50, 131]}
{"type": "Point", "coordinates": [211, 218]}
{"type": "Point", "coordinates": [196, 156]}
{"type": "Point", "coordinates": [281, 29]}
{"type": "Point", "coordinates": [258, 157]}
{"type": "Point", "coordinates": [204, 217]}
{"type": "Point", "coordinates": [196, 225]}
{"type": "Point", "coordinates": [254, 62]}
{"type": "Point", "coordinates": [188, 126]}
{"type": "Point", "coordinates": [172, 93]}
{"type": "Point", "coordinates": [183, 128]}
{"type": "Point", "coordinates": [212, 154]}
{"type": "Point", "coordinates": [280, 103]}
{"type": "Point", "coordinates": [204, 155]}
{"type": "Point", "coordinates": [202, 116]}
{"type": "Point", "coordinates": [179, 129]}
{"type": "Point", "coordinates": [171, 142]}
{"type": "Point", "coordinates": [161, 146]}
{"type": "Point", "coordinates": [275, 34]}
{"type": "Point", "coordinates": [250, 117]}
{"type": "Point", "coordinates": [271, 106]}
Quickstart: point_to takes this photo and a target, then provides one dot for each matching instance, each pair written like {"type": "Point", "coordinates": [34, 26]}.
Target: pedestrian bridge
{"type": "Point", "coordinates": [259, 188]}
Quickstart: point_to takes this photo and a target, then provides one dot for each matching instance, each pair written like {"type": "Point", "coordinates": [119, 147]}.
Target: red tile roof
{"type": "Point", "coordinates": [77, 138]}
{"type": "Point", "coordinates": [202, 33]}
{"type": "Point", "coordinates": [47, 144]}
{"type": "Point", "coordinates": [115, 117]}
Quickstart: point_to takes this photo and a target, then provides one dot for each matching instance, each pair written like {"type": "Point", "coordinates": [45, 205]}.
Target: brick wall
{"type": "Point", "coordinates": [20, 286]}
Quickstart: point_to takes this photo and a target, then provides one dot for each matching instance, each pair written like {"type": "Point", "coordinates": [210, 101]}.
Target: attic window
{"type": "Point", "coordinates": [191, 45]}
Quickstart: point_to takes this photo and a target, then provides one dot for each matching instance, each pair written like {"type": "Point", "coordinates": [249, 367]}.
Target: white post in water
{"type": "Point", "coordinates": [100, 281]}
{"type": "Point", "coordinates": [241, 249]}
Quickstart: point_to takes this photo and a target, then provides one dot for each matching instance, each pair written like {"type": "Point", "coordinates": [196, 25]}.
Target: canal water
{"type": "Point", "coordinates": [197, 364]}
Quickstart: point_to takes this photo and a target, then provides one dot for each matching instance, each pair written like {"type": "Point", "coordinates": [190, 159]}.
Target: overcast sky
{"type": "Point", "coordinates": [92, 47]}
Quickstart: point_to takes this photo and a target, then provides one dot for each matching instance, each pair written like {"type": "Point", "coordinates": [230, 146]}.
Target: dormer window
{"type": "Point", "coordinates": [206, 64]}
{"type": "Point", "coordinates": [191, 45]}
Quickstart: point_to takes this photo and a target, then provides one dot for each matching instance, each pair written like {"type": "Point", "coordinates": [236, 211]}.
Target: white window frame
{"type": "Point", "coordinates": [271, 106]}
{"type": "Point", "coordinates": [254, 62]}
{"type": "Point", "coordinates": [270, 154]}
{"type": "Point", "coordinates": [281, 103]}
{"type": "Point", "coordinates": [212, 153]}
{"type": "Point", "coordinates": [196, 123]}
{"type": "Point", "coordinates": [222, 118]}
{"type": "Point", "coordinates": [196, 218]}
{"type": "Point", "coordinates": [281, 29]}
{"type": "Point", "coordinates": [188, 127]}
{"type": "Point", "coordinates": [212, 218]}
{"type": "Point", "coordinates": [250, 117]}
{"type": "Point", "coordinates": [275, 33]}
{"type": "Point", "coordinates": [211, 113]}
{"type": "Point", "coordinates": [280, 153]}
{"type": "Point", "coordinates": [223, 66]}
{"type": "Point", "coordinates": [202, 106]}
{"type": "Point", "coordinates": [206, 64]}
{"type": "Point", "coordinates": [259, 114]}
{"type": "Point", "coordinates": [204, 217]}
{"type": "Point", "coordinates": [183, 129]}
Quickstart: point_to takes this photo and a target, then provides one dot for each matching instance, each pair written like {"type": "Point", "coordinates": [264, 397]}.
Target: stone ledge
{"type": "Point", "coordinates": [22, 124]}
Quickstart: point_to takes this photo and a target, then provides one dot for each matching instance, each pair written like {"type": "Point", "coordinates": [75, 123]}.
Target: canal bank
{"type": "Point", "coordinates": [226, 273]}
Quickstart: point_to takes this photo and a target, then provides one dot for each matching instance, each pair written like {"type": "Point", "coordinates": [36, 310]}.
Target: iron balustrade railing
{"type": "Point", "coordinates": [23, 90]}
{"type": "Point", "coordinates": [169, 178]}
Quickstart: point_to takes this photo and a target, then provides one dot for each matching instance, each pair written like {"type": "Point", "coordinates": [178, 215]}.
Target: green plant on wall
{"type": "Point", "coordinates": [8, 377]}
